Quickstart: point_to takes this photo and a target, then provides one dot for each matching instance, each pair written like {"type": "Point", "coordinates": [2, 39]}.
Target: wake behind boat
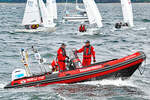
{"type": "Point", "coordinates": [112, 69]}
{"type": "Point", "coordinates": [40, 29]}
{"type": "Point", "coordinates": [89, 30]}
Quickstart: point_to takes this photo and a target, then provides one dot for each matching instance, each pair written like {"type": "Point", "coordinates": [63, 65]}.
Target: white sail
{"type": "Point", "coordinates": [47, 19]}
{"type": "Point", "coordinates": [31, 14]}
{"type": "Point", "coordinates": [97, 14]}
{"type": "Point", "coordinates": [127, 12]}
{"type": "Point", "coordinates": [52, 8]}
{"type": "Point", "coordinates": [93, 12]}
{"type": "Point", "coordinates": [89, 12]}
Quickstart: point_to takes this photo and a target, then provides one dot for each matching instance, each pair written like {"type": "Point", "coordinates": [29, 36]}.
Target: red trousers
{"type": "Point", "coordinates": [62, 66]}
{"type": "Point", "coordinates": [86, 61]}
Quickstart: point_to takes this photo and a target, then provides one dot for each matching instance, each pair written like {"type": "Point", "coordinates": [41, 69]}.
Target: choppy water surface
{"type": "Point", "coordinates": [108, 44]}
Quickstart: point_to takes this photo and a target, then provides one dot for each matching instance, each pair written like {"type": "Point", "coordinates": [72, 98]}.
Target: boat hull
{"type": "Point", "coordinates": [118, 68]}
{"type": "Point", "coordinates": [41, 29]}
{"type": "Point", "coordinates": [76, 18]}
{"type": "Point", "coordinates": [90, 31]}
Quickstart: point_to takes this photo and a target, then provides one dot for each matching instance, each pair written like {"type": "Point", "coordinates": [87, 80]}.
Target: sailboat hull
{"type": "Point", "coordinates": [123, 28]}
{"type": "Point", "coordinates": [76, 18]}
{"type": "Point", "coordinates": [40, 29]}
{"type": "Point", "coordinates": [90, 31]}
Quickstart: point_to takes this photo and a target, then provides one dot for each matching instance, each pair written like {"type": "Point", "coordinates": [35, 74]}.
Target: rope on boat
{"type": "Point", "coordinates": [142, 72]}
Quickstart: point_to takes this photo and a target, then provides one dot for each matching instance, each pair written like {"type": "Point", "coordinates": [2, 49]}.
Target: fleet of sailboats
{"type": "Point", "coordinates": [40, 16]}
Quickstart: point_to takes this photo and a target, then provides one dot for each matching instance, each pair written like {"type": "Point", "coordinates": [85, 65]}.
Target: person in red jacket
{"type": "Point", "coordinates": [80, 28]}
{"type": "Point", "coordinates": [83, 28]}
{"type": "Point", "coordinates": [61, 56]}
{"type": "Point", "coordinates": [88, 52]}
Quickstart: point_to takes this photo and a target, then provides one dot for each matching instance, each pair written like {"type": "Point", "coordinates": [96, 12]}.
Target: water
{"type": "Point", "coordinates": [108, 44]}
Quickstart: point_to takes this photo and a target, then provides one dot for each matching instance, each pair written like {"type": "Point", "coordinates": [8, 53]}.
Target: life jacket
{"type": "Point", "coordinates": [83, 28]}
{"type": "Point", "coordinates": [35, 26]}
{"type": "Point", "coordinates": [89, 51]}
{"type": "Point", "coordinates": [32, 26]}
{"type": "Point", "coordinates": [63, 51]}
{"type": "Point", "coordinates": [80, 28]}
{"type": "Point", "coordinates": [61, 55]}
{"type": "Point", "coordinates": [54, 65]}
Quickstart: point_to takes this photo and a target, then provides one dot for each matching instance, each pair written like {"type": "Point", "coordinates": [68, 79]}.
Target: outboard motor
{"type": "Point", "coordinates": [75, 59]}
{"type": "Point", "coordinates": [18, 73]}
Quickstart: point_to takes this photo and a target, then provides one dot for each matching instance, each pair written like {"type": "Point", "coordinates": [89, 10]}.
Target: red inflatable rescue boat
{"type": "Point", "coordinates": [117, 68]}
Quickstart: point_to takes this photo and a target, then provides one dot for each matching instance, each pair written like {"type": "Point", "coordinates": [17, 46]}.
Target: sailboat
{"type": "Point", "coordinates": [127, 14]}
{"type": "Point", "coordinates": [38, 16]}
{"type": "Point", "coordinates": [52, 7]}
{"type": "Point", "coordinates": [80, 16]}
{"type": "Point", "coordinates": [94, 16]}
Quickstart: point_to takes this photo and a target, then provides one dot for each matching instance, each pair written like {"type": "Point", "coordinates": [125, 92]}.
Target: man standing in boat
{"type": "Point", "coordinates": [61, 56]}
{"type": "Point", "coordinates": [88, 52]}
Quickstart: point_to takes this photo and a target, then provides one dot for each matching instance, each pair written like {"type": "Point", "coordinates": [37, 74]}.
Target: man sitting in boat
{"type": "Point", "coordinates": [34, 26]}
{"type": "Point", "coordinates": [88, 52]}
{"type": "Point", "coordinates": [125, 24]}
{"type": "Point", "coordinates": [61, 56]}
{"type": "Point", "coordinates": [119, 25]}
{"type": "Point", "coordinates": [55, 66]}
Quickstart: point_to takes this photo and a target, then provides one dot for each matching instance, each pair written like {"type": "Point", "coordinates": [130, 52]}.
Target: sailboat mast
{"type": "Point", "coordinates": [40, 11]}
{"type": "Point", "coordinates": [65, 8]}
{"type": "Point", "coordinates": [66, 5]}
{"type": "Point", "coordinates": [76, 3]}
